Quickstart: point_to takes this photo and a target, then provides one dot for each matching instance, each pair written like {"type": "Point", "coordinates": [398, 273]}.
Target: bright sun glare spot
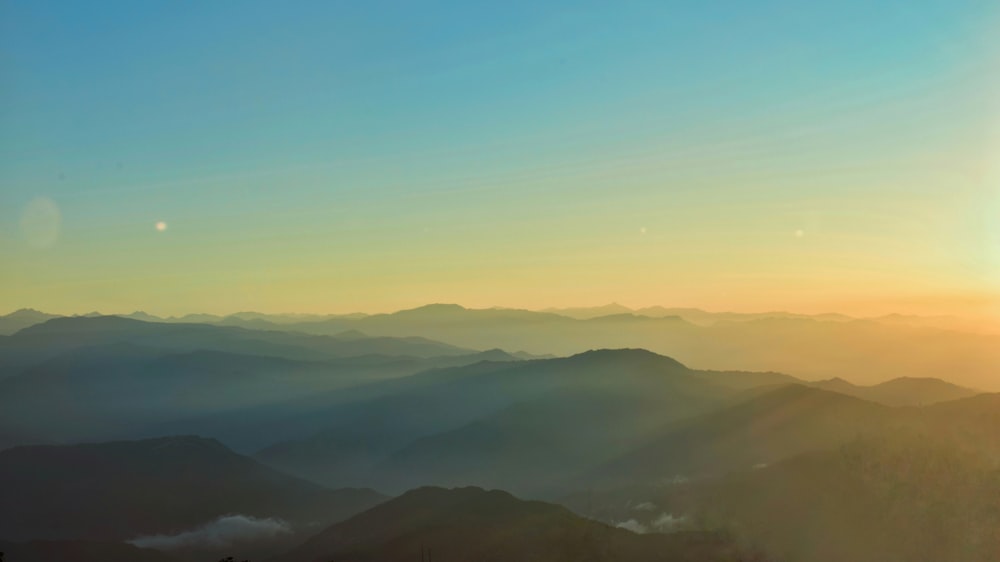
{"type": "Point", "coordinates": [800, 233]}
{"type": "Point", "coordinates": [161, 226]}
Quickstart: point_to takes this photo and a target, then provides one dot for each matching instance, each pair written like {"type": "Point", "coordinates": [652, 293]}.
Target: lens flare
{"type": "Point", "coordinates": [40, 222]}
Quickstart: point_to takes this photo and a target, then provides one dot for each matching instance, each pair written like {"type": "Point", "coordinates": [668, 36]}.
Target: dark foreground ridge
{"type": "Point", "coordinates": [476, 524]}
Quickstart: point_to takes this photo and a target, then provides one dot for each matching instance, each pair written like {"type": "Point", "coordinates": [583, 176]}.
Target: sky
{"type": "Point", "coordinates": [180, 157]}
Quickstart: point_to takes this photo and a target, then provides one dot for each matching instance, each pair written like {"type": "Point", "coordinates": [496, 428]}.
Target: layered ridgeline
{"type": "Point", "coordinates": [173, 494]}
{"type": "Point", "coordinates": [601, 417]}
{"type": "Point", "coordinates": [100, 378]}
{"type": "Point", "coordinates": [917, 493]}
{"type": "Point", "coordinates": [813, 347]}
{"type": "Point", "coordinates": [868, 351]}
{"type": "Point", "coordinates": [525, 426]}
{"type": "Point", "coordinates": [634, 439]}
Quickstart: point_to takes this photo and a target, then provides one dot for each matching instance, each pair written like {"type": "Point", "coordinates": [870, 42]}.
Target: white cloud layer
{"type": "Point", "coordinates": [224, 531]}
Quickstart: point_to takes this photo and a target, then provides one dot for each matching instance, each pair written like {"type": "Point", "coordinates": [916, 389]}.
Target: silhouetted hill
{"type": "Point", "coordinates": [119, 490]}
{"type": "Point", "coordinates": [475, 524]}
{"type": "Point", "coordinates": [744, 380]}
{"type": "Point", "coordinates": [904, 391]}
{"type": "Point", "coordinates": [837, 384]}
{"type": "Point", "coordinates": [20, 319]}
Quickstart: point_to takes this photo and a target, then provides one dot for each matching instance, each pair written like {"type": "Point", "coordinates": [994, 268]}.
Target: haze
{"type": "Point", "coordinates": [552, 281]}
{"type": "Point", "coordinates": [342, 158]}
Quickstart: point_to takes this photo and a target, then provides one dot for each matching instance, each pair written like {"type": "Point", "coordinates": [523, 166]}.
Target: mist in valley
{"type": "Point", "coordinates": [536, 280]}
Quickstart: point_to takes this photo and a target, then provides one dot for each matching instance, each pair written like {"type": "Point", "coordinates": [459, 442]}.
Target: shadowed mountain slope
{"type": "Point", "coordinates": [102, 378]}
{"type": "Point", "coordinates": [474, 524]}
{"type": "Point", "coordinates": [124, 390]}
{"type": "Point", "coordinates": [549, 400]}
{"type": "Point", "coordinates": [887, 498]}
{"type": "Point", "coordinates": [770, 426]}
{"type": "Point", "coordinates": [118, 490]}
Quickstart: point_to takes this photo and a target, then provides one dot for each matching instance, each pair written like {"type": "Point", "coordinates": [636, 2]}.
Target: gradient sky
{"type": "Point", "coordinates": [344, 156]}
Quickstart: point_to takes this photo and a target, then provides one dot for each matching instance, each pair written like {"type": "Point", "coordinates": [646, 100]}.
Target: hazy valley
{"type": "Point", "coordinates": [260, 437]}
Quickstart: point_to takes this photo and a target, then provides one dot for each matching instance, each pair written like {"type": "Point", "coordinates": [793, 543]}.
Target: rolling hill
{"type": "Point", "coordinates": [475, 524]}
{"type": "Point", "coordinates": [903, 391]}
{"type": "Point", "coordinates": [453, 413]}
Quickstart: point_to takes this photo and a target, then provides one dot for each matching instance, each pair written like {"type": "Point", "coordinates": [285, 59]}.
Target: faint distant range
{"type": "Point", "coordinates": [811, 347]}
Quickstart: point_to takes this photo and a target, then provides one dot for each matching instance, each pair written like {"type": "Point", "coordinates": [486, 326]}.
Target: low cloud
{"type": "Point", "coordinates": [668, 522]}
{"type": "Point", "coordinates": [632, 525]}
{"type": "Point", "coordinates": [224, 531]}
{"type": "Point", "coordinates": [664, 523]}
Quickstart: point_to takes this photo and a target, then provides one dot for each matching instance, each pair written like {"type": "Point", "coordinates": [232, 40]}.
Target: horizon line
{"type": "Point", "coordinates": [553, 310]}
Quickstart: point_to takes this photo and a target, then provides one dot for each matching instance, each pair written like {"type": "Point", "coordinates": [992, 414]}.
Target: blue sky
{"type": "Point", "coordinates": [358, 151]}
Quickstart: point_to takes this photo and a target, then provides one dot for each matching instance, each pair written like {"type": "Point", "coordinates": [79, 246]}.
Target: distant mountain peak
{"type": "Point", "coordinates": [142, 315]}
{"type": "Point", "coordinates": [625, 355]}
{"type": "Point", "coordinates": [423, 492]}
{"type": "Point", "coordinates": [73, 323]}
{"type": "Point", "coordinates": [27, 312]}
{"type": "Point", "coordinates": [836, 381]}
{"type": "Point", "coordinates": [436, 308]}
{"type": "Point", "coordinates": [913, 380]}
{"type": "Point", "coordinates": [495, 354]}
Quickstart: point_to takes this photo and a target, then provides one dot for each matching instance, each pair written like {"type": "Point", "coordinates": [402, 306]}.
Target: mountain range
{"type": "Point", "coordinates": [113, 378]}
{"type": "Point", "coordinates": [134, 439]}
{"type": "Point", "coordinates": [812, 347]}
